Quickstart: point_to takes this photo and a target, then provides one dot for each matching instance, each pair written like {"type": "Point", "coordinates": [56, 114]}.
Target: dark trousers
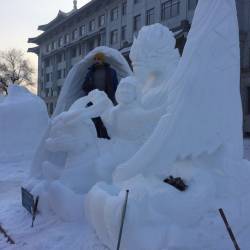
{"type": "Point", "coordinates": [100, 128]}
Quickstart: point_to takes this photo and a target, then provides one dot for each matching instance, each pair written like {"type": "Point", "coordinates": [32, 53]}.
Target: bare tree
{"type": "Point", "coordinates": [14, 68]}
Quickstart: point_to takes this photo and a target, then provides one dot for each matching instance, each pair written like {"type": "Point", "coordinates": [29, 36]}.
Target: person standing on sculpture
{"type": "Point", "coordinates": [102, 77]}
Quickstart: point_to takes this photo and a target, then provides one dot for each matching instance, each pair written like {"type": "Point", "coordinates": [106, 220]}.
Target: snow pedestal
{"type": "Point", "coordinates": [23, 120]}
{"type": "Point", "coordinates": [161, 217]}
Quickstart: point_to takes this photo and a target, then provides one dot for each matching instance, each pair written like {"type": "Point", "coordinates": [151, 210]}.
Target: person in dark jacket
{"type": "Point", "coordinates": [102, 77]}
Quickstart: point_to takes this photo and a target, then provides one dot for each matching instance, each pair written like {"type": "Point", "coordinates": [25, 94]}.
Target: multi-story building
{"type": "Point", "coordinates": [114, 23]}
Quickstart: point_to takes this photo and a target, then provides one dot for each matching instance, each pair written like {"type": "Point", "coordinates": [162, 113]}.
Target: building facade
{"type": "Point", "coordinates": [114, 23]}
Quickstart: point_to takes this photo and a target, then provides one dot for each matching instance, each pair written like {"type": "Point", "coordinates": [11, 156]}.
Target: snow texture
{"type": "Point", "coordinates": [24, 119]}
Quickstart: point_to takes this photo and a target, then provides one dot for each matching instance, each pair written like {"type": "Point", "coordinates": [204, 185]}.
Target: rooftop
{"type": "Point", "coordinates": [64, 17]}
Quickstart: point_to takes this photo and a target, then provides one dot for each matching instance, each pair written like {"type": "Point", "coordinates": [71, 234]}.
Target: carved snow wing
{"type": "Point", "coordinates": [204, 105]}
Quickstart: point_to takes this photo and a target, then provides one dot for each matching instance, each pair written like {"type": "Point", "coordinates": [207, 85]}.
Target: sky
{"type": "Point", "coordinates": [20, 19]}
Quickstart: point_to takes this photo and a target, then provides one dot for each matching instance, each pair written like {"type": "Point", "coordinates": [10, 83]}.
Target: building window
{"type": "Point", "coordinates": [59, 58]}
{"type": "Point", "coordinates": [123, 33]}
{"type": "Point", "coordinates": [53, 45]}
{"type": "Point", "coordinates": [82, 30]}
{"type": "Point", "coordinates": [102, 39]}
{"type": "Point", "coordinates": [60, 42]}
{"type": "Point", "coordinates": [170, 9]}
{"type": "Point", "coordinates": [64, 73]}
{"type": "Point", "coordinates": [136, 1]}
{"type": "Point", "coordinates": [192, 4]}
{"type": "Point", "coordinates": [101, 20]}
{"type": "Point", "coordinates": [51, 109]}
{"type": "Point", "coordinates": [46, 92]}
{"type": "Point", "coordinates": [249, 58]}
{"type": "Point", "coordinates": [114, 14]}
{"type": "Point", "coordinates": [47, 47]}
{"type": "Point", "coordinates": [66, 39]}
{"type": "Point", "coordinates": [124, 8]}
{"type": "Point", "coordinates": [114, 37]}
{"type": "Point", "coordinates": [73, 52]}
{"type": "Point", "coordinates": [150, 16]}
{"type": "Point", "coordinates": [92, 25]}
{"type": "Point", "coordinates": [47, 77]}
{"type": "Point", "coordinates": [248, 100]}
{"type": "Point", "coordinates": [90, 45]}
{"type": "Point", "coordinates": [59, 90]}
{"type": "Point", "coordinates": [137, 23]}
{"type": "Point", "coordinates": [47, 62]}
{"type": "Point", "coordinates": [82, 49]}
{"type": "Point", "coordinates": [74, 34]}
{"type": "Point", "coordinates": [59, 74]}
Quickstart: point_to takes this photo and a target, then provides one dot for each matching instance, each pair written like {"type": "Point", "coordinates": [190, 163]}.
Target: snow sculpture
{"type": "Point", "coordinates": [201, 119]}
{"type": "Point", "coordinates": [90, 159]}
{"type": "Point", "coordinates": [129, 121]}
{"type": "Point", "coordinates": [71, 91]}
{"type": "Point", "coordinates": [23, 120]}
{"type": "Point", "coordinates": [129, 126]}
{"type": "Point", "coordinates": [64, 184]}
{"type": "Point", "coordinates": [78, 140]}
{"type": "Point", "coordinates": [154, 59]}
{"type": "Point", "coordinates": [199, 139]}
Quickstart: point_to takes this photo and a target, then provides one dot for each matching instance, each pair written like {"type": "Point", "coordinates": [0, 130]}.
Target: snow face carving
{"type": "Point", "coordinates": [154, 59]}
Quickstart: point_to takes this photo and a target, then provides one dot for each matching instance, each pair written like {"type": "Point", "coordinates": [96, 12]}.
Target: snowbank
{"type": "Point", "coordinates": [23, 119]}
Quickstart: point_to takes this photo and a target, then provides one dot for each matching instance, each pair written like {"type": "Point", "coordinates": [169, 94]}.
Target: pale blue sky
{"type": "Point", "coordinates": [20, 18]}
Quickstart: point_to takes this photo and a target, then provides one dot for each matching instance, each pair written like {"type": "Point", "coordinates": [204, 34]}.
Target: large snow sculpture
{"type": "Point", "coordinates": [68, 133]}
{"type": "Point", "coordinates": [199, 139]}
{"type": "Point", "coordinates": [90, 159]}
{"type": "Point", "coordinates": [71, 91]}
{"type": "Point", "coordinates": [150, 65]}
{"type": "Point", "coordinates": [129, 126]}
{"type": "Point", "coordinates": [23, 121]}
{"type": "Point", "coordinates": [204, 113]}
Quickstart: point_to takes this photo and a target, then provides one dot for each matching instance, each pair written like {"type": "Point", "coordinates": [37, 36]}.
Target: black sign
{"type": "Point", "coordinates": [30, 203]}
{"type": "Point", "coordinates": [27, 200]}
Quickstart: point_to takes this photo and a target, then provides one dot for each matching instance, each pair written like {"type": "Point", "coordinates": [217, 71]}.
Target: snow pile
{"type": "Point", "coordinates": [23, 120]}
{"type": "Point", "coordinates": [177, 220]}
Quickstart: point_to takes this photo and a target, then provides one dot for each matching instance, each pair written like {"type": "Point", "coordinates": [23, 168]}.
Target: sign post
{"type": "Point", "coordinates": [122, 220]}
{"type": "Point", "coordinates": [29, 203]}
{"type": "Point", "coordinates": [230, 232]}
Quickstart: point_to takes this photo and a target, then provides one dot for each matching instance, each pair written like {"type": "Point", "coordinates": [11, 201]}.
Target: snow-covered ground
{"type": "Point", "coordinates": [28, 116]}
{"type": "Point", "coordinates": [48, 233]}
